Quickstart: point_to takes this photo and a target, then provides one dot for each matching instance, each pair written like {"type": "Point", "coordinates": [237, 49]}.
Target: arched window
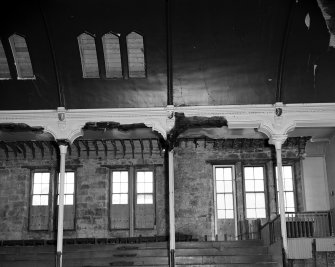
{"type": "Point", "coordinates": [21, 57]}
{"type": "Point", "coordinates": [88, 55]}
{"type": "Point", "coordinates": [111, 45]}
{"type": "Point", "coordinates": [4, 69]}
{"type": "Point", "coordinates": [135, 48]}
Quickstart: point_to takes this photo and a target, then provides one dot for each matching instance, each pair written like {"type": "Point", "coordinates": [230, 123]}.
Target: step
{"type": "Point", "coordinates": [259, 250]}
{"type": "Point", "coordinates": [222, 259]}
{"type": "Point", "coordinates": [218, 244]}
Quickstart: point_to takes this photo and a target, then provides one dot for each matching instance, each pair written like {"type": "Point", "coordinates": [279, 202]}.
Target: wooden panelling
{"type": "Point", "coordinates": [39, 218]}
{"type": "Point", "coordinates": [119, 216]}
{"type": "Point", "coordinates": [144, 216]}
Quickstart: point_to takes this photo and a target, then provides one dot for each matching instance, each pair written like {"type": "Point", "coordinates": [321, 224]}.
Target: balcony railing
{"type": "Point", "coordinates": [309, 224]}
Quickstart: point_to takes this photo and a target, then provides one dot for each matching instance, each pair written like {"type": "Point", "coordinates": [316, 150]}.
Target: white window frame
{"type": "Point", "coordinates": [41, 184]}
{"type": "Point", "coordinates": [233, 195]}
{"type": "Point", "coordinates": [144, 191]}
{"type": "Point", "coordinates": [254, 192]}
{"type": "Point", "coordinates": [286, 191]}
{"type": "Point", "coordinates": [73, 194]}
{"type": "Point", "coordinates": [120, 191]}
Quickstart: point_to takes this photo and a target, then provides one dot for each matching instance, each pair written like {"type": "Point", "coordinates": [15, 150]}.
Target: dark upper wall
{"type": "Point", "coordinates": [224, 52]}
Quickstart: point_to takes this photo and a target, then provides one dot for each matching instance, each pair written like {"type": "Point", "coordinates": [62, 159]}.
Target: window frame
{"type": "Point", "coordinates": [144, 55]}
{"type": "Point", "coordinates": [233, 193]}
{"type": "Point", "coordinates": [153, 187]}
{"type": "Point", "coordinates": [50, 202]}
{"type": "Point", "coordinates": [111, 187]}
{"type": "Point", "coordinates": [263, 166]}
{"type": "Point", "coordinates": [122, 67]}
{"type": "Point", "coordinates": [7, 62]}
{"type": "Point", "coordinates": [293, 187]}
{"type": "Point", "coordinates": [13, 50]}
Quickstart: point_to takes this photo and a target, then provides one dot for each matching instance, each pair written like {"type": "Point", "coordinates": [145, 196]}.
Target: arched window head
{"type": "Point", "coordinates": [88, 55]}
{"type": "Point", "coordinates": [4, 69]}
{"type": "Point", "coordinates": [111, 45]}
{"type": "Point", "coordinates": [21, 56]}
{"type": "Point", "coordinates": [136, 62]}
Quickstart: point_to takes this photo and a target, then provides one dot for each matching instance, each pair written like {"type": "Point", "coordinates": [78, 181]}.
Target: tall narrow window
{"type": "Point", "coordinates": [4, 69]}
{"type": "Point", "coordinates": [88, 55]}
{"type": "Point", "coordinates": [41, 182]}
{"type": "Point", "coordinates": [144, 208]}
{"type": "Point", "coordinates": [68, 188]}
{"type": "Point", "coordinates": [111, 45]}
{"type": "Point", "coordinates": [119, 215]}
{"type": "Point", "coordinates": [120, 187]}
{"type": "Point", "coordinates": [254, 192]}
{"type": "Point", "coordinates": [136, 62]}
{"type": "Point", "coordinates": [21, 56]}
{"type": "Point", "coordinates": [288, 188]}
{"type": "Point", "coordinates": [224, 192]}
{"type": "Point", "coordinates": [39, 209]}
{"type": "Point", "coordinates": [144, 187]}
{"type": "Point", "coordinates": [69, 197]}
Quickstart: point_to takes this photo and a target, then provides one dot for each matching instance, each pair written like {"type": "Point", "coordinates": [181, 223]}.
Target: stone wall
{"type": "Point", "coordinates": [194, 182]}
{"type": "Point", "coordinates": [92, 179]}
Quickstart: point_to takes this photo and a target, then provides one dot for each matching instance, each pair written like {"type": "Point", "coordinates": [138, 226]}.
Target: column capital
{"type": "Point", "coordinates": [277, 140]}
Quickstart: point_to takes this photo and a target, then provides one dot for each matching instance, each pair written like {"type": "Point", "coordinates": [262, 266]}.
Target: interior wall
{"type": "Point", "coordinates": [330, 160]}
{"type": "Point", "coordinates": [194, 182]}
{"type": "Point", "coordinates": [92, 183]}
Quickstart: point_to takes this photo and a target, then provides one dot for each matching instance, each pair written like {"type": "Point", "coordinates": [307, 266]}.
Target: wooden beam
{"type": "Point", "coordinates": [4, 147]}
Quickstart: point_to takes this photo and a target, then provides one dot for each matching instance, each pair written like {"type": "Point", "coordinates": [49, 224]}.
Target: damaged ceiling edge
{"type": "Point", "coordinates": [326, 7]}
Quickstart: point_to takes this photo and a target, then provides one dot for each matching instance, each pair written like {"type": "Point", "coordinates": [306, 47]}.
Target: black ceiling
{"type": "Point", "coordinates": [224, 52]}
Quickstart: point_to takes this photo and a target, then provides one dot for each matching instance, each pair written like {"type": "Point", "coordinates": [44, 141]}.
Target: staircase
{"type": "Point", "coordinates": [197, 254]}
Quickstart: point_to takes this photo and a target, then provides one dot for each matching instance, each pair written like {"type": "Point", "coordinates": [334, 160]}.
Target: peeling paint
{"type": "Point", "coordinates": [308, 21]}
{"type": "Point", "coordinates": [326, 7]}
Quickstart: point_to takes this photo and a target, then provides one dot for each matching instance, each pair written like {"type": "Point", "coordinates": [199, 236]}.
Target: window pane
{"type": "Point", "coordinates": [69, 177]}
{"type": "Point", "coordinates": [124, 199]}
{"type": "Point", "coordinates": [251, 213]}
{"type": "Point", "coordinates": [288, 185]}
{"type": "Point", "coordinates": [148, 199]}
{"type": "Point", "coordinates": [259, 185]}
{"type": "Point", "coordinates": [287, 172]}
{"type": "Point", "coordinates": [124, 177]}
{"type": "Point", "coordinates": [258, 173]}
{"type": "Point", "coordinates": [45, 177]}
{"type": "Point", "coordinates": [221, 214]}
{"type": "Point", "coordinates": [44, 200]}
{"type": "Point", "coordinates": [289, 199]}
{"type": "Point", "coordinates": [229, 214]}
{"type": "Point", "coordinates": [37, 178]}
{"type": "Point", "coordinates": [68, 200]}
{"type": "Point", "coordinates": [116, 177]}
{"type": "Point", "coordinates": [140, 199]}
{"type": "Point", "coordinates": [44, 188]}
{"type": "Point", "coordinates": [260, 201]}
{"type": "Point", "coordinates": [140, 177]}
{"type": "Point", "coordinates": [148, 177]}
{"type": "Point", "coordinates": [148, 187]}
{"type": "Point", "coordinates": [69, 188]}
{"type": "Point", "coordinates": [37, 189]}
{"type": "Point", "coordinates": [116, 198]}
{"type": "Point", "coordinates": [260, 213]}
{"type": "Point", "coordinates": [228, 186]}
{"type": "Point", "coordinates": [229, 201]}
{"type": "Point", "coordinates": [249, 185]}
{"type": "Point", "coordinates": [124, 188]}
{"type": "Point", "coordinates": [219, 187]}
{"type": "Point", "coordinates": [248, 173]}
{"type": "Point", "coordinates": [227, 173]}
{"type": "Point", "coordinates": [116, 187]}
{"type": "Point", "coordinates": [250, 200]}
{"type": "Point", "coordinates": [140, 188]}
{"type": "Point", "coordinates": [219, 173]}
{"type": "Point", "coordinates": [36, 200]}
{"type": "Point", "coordinates": [220, 201]}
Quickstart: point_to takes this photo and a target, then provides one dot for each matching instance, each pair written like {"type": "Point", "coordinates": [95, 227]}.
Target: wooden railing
{"type": "Point", "coordinates": [309, 224]}
{"type": "Point", "coordinates": [270, 232]}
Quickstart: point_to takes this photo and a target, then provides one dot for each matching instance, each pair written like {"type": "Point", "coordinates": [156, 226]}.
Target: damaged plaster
{"type": "Point", "coordinates": [328, 11]}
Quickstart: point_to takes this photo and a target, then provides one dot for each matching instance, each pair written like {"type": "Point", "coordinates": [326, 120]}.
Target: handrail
{"type": "Point", "coordinates": [271, 221]}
